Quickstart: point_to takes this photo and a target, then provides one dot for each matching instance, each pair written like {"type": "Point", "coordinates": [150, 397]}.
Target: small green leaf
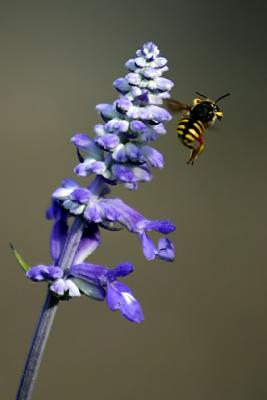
{"type": "Point", "coordinates": [89, 289]}
{"type": "Point", "coordinates": [19, 259]}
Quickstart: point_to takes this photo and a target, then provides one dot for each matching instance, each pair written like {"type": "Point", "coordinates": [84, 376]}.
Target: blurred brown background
{"type": "Point", "coordinates": [205, 332]}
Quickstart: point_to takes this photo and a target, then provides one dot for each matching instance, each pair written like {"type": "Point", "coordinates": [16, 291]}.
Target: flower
{"type": "Point", "coordinates": [108, 211]}
{"type": "Point", "coordinates": [120, 152]}
{"type": "Point", "coordinates": [96, 281]}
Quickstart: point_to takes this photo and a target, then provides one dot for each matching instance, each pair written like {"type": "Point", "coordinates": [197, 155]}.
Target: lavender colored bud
{"type": "Point", "coordinates": [122, 85]}
{"type": "Point", "coordinates": [159, 62]}
{"type": "Point", "coordinates": [123, 105]}
{"type": "Point", "coordinates": [108, 141]}
{"type": "Point", "coordinates": [142, 174]}
{"type": "Point", "coordinates": [122, 173]}
{"type": "Point", "coordinates": [133, 79]}
{"type": "Point", "coordinates": [149, 50]}
{"type": "Point", "coordinates": [119, 153]}
{"type": "Point", "coordinates": [106, 110]}
{"type": "Point", "coordinates": [163, 84]}
{"type": "Point", "coordinates": [117, 125]}
{"type": "Point", "coordinates": [133, 152]}
{"type": "Point", "coordinates": [130, 64]}
{"type": "Point", "coordinates": [138, 126]}
{"type": "Point", "coordinates": [153, 156]}
{"type": "Point", "coordinates": [150, 73]}
{"type": "Point", "coordinates": [140, 62]}
{"type": "Point", "coordinates": [99, 129]}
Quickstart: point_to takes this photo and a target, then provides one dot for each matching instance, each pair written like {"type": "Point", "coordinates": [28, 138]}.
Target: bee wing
{"type": "Point", "coordinates": [176, 106]}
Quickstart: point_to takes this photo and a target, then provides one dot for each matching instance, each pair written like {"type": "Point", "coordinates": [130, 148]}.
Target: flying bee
{"type": "Point", "coordinates": [196, 119]}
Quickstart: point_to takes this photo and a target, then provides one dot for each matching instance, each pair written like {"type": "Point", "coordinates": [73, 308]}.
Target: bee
{"type": "Point", "coordinates": [196, 119]}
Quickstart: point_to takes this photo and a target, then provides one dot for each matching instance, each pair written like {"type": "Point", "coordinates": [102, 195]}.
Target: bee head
{"type": "Point", "coordinates": [207, 109]}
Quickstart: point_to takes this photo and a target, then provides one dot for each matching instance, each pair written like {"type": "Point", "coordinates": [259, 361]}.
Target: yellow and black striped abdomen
{"type": "Point", "coordinates": [189, 130]}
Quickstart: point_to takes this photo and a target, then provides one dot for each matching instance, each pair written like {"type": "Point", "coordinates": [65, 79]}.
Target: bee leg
{"type": "Point", "coordinates": [196, 151]}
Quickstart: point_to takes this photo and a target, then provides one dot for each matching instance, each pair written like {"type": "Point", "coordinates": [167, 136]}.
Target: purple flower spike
{"type": "Point", "coordinates": [119, 153]}
{"type": "Point", "coordinates": [120, 297]}
{"type": "Point", "coordinates": [137, 114]}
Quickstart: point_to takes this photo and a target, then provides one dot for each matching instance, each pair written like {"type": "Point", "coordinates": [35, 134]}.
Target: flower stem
{"type": "Point", "coordinates": [46, 318]}
{"type": "Point", "coordinates": [50, 306]}
{"type": "Point", "coordinates": [37, 347]}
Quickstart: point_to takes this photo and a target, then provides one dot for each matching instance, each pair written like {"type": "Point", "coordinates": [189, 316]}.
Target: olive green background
{"type": "Point", "coordinates": [205, 330]}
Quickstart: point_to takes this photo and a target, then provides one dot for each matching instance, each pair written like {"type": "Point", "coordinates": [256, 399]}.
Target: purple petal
{"type": "Point", "coordinates": [148, 246]}
{"type": "Point", "coordinates": [44, 272]}
{"type": "Point", "coordinates": [150, 73]}
{"type": "Point", "coordinates": [133, 78]}
{"type": "Point", "coordinates": [69, 184]}
{"type": "Point", "coordinates": [140, 61]}
{"type": "Point", "coordinates": [90, 272]}
{"type": "Point", "coordinates": [122, 85]}
{"type": "Point", "coordinates": [98, 167]}
{"type": "Point", "coordinates": [57, 239]}
{"type": "Point", "coordinates": [84, 168]}
{"type": "Point", "coordinates": [149, 50]}
{"type": "Point", "coordinates": [89, 242]}
{"type": "Point", "coordinates": [120, 270]}
{"type": "Point", "coordinates": [106, 110]}
{"type": "Point", "coordinates": [108, 141]}
{"type": "Point", "coordinates": [159, 62]}
{"type": "Point", "coordinates": [122, 213]}
{"type": "Point", "coordinates": [154, 114]}
{"type": "Point", "coordinates": [85, 143]}
{"type": "Point", "coordinates": [93, 213]}
{"type": "Point", "coordinates": [153, 156]}
{"type": "Point", "coordinates": [138, 126]}
{"type": "Point", "coordinates": [81, 195]}
{"type": "Point", "coordinates": [133, 152]}
{"type": "Point", "coordinates": [119, 297]}
{"type": "Point", "coordinates": [116, 125]}
{"type": "Point", "coordinates": [55, 211]}
{"type": "Point", "coordinates": [142, 174]}
{"type": "Point", "coordinates": [122, 173]}
{"type": "Point", "coordinates": [162, 226]}
{"type": "Point", "coordinates": [164, 84]}
{"type": "Point", "coordinates": [123, 105]}
{"type": "Point", "coordinates": [119, 153]}
{"type": "Point", "coordinates": [166, 249]}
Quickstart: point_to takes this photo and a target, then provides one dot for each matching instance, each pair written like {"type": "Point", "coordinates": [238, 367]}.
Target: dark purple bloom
{"type": "Point", "coordinates": [96, 281]}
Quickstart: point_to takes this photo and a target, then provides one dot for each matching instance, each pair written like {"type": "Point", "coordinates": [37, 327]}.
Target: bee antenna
{"type": "Point", "coordinates": [202, 95]}
{"type": "Point", "coordinates": [222, 97]}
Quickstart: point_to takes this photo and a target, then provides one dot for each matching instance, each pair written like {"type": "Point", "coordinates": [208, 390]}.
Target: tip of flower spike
{"type": "Point", "coordinates": [149, 50]}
